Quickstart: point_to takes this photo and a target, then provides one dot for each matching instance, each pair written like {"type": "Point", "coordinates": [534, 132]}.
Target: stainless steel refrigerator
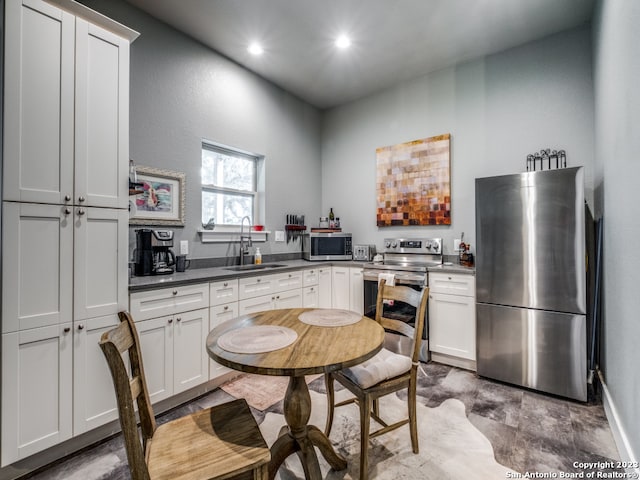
{"type": "Point", "coordinates": [531, 287]}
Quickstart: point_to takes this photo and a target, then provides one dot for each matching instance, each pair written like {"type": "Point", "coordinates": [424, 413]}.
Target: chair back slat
{"type": "Point", "coordinates": [408, 295]}
{"type": "Point", "coordinates": [130, 390]}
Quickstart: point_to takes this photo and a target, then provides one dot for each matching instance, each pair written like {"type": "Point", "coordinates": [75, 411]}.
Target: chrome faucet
{"type": "Point", "coordinates": [244, 249]}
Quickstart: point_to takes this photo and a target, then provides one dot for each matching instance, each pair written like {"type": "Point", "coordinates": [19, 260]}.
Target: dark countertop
{"type": "Point", "coordinates": [453, 268]}
{"type": "Point", "coordinates": [199, 275]}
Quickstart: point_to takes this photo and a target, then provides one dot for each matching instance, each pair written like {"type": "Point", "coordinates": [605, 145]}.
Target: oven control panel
{"type": "Point", "coordinates": [413, 245]}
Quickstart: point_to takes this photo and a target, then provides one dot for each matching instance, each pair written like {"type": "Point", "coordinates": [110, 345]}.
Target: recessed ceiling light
{"type": "Point", "coordinates": [343, 42]}
{"type": "Point", "coordinates": [255, 49]}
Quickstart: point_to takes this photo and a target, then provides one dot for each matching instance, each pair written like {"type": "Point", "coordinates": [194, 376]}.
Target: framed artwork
{"type": "Point", "coordinates": [161, 200]}
{"type": "Point", "coordinates": [414, 183]}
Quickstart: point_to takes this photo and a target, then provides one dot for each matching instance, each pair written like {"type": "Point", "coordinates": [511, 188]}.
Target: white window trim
{"type": "Point", "coordinates": [230, 234]}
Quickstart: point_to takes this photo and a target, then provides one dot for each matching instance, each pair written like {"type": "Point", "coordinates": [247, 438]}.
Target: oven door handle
{"type": "Point", "coordinates": [400, 278]}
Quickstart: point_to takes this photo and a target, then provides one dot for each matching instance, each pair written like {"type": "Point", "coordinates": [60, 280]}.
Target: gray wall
{"type": "Point", "coordinates": [498, 110]}
{"type": "Point", "coordinates": [182, 92]}
{"type": "Point", "coordinates": [617, 177]}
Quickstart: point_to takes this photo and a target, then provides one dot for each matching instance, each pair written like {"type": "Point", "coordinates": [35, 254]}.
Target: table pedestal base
{"type": "Point", "coordinates": [299, 437]}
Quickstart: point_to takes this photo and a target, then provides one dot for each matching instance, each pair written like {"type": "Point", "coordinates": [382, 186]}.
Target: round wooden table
{"type": "Point", "coordinates": [318, 349]}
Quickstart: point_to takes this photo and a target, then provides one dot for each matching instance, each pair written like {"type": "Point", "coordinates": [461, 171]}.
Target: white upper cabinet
{"type": "Point", "coordinates": [101, 117]}
{"type": "Point", "coordinates": [39, 102]}
{"type": "Point", "coordinates": [66, 109]}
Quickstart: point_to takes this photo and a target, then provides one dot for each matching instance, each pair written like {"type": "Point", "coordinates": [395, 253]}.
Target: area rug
{"type": "Point", "coordinates": [260, 391]}
{"type": "Point", "coordinates": [450, 446]}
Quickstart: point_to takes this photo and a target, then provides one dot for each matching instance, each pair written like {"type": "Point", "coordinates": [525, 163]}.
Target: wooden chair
{"type": "Point", "coordinates": [216, 443]}
{"type": "Point", "coordinates": [385, 373]}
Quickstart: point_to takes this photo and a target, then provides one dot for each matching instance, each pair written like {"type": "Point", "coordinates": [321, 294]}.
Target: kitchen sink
{"type": "Point", "coordinates": [249, 268]}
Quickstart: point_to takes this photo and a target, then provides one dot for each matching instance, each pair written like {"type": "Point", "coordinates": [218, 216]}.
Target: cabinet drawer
{"type": "Point", "coordinates": [309, 277]}
{"type": "Point", "coordinates": [167, 301]}
{"type": "Point", "coordinates": [256, 286]}
{"type": "Point", "coordinates": [224, 291]}
{"type": "Point", "coordinates": [288, 281]}
{"type": "Point", "coordinates": [453, 284]}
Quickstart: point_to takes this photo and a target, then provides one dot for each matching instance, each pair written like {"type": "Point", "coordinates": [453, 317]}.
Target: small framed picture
{"type": "Point", "coordinates": [161, 199]}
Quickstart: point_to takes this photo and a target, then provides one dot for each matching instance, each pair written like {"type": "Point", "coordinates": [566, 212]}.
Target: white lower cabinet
{"type": "Point", "coordinates": [94, 399]}
{"type": "Point", "coordinates": [452, 318]}
{"type": "Point", "coordinates": [174, 353]}
{"type": "Point", "coordinates": [324, 287]}
{"type": "Point", "coordinates": [219, 314]}
{"type": "Point", "coordinates": [356, 290]}
{"type": "Point", "coordinates": [310, 297]}
{"type": "Point", "coordinates": [340, 283]}
{"type": "Point", "coordinates": [37, 403]}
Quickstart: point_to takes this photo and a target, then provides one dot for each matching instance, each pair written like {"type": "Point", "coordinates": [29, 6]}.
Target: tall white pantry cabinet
{"type": "Point", "coordinates": [64, 219]}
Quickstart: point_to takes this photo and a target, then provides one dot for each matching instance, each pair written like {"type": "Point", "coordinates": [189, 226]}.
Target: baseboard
{"type": "Point", "coordinates": [617, 429]}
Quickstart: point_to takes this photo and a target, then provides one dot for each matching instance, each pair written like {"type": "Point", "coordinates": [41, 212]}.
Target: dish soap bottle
{"type": "Point", "coordinates": [257, 259]}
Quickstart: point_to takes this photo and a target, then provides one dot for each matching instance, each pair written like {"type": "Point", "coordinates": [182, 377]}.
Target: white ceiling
{"type": "Point", "coordinates": [393, 40]}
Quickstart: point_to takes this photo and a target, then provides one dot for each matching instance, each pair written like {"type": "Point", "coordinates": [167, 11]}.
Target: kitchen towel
{"type": "Point", "coordinates": [390, 278]}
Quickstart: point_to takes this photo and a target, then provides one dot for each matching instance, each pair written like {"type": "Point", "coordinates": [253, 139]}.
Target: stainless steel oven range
{"type": "Point", "coordinates": [408, 259]}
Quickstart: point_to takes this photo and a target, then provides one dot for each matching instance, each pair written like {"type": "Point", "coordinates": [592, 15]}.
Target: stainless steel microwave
{"type": "Point", "coordinates": [326, 246]}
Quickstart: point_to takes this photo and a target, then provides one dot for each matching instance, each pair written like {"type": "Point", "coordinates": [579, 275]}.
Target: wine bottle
{"type": "Point", "coordinates": [332, 222]}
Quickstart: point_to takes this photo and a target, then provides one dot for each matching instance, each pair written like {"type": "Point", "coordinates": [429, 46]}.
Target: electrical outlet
{"type": "Point", "coordinates": [184, 247]}
{"type": "Point", "coordinates": [456, 245]}
{"type": "Point", "coordinates": [279, 235]}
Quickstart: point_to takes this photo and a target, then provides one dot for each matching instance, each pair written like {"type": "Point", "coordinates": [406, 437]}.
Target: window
{"type": "Point", "coordinates": [229, 184]}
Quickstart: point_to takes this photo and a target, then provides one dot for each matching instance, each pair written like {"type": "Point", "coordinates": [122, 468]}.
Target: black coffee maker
{"type": "Point", "coordinates": [153, 255]}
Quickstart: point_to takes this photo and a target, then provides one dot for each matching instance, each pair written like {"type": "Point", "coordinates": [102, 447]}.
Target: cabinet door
{"type": "Point", "coordinates": [38, 102]}
{"type": "Point", "coordinates": [289, 299]}
{"type": "Point", "coordinates": [37, 275]}
{"type": "Point", "coordinates": [256, 304]}
{"type": "Point", "coordinates": [340, 287]}
{"type": "Point", "coordinates": [356, 290]}
{"type": "Point", "coordinates": [452, 325]}
{"type": "Point", "coordinates": [100, 261]}
{"type": "Point", "coordinates": [218, 315]}
{"type": "Point", "coordinates": [101, 117]}
{"type": "Point", "coordinates": [36, 390]}
{"type": "Point", "coordinates": [324, 287]}
{"type": "Point", "coordinates": [310, 297]}
{"type": "Point", "coordinates": [156, 344]}
{"type": "Point", "coordinates": [190, 359]}
{"type": "Point", "coordinates": [94, 399]}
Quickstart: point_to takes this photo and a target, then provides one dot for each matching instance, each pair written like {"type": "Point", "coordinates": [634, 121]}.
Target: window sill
{"type": "Point", "coordinates": [222, 234]}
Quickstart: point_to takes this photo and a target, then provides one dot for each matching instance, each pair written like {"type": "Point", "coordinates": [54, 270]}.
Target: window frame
{"type": "Point", "coordinates": [254, 194]}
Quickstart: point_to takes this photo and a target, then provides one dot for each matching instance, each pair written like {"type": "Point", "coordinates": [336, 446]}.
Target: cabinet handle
{"type": "Point", "coordinates": [449, 278]}
{"type": "Point", "coordinates": [311, 289]}
{"type": "Point", "coordinates": [277, 297]}
{"type": "Point", "coordinates": [290, 275]}
{"type": "Point", "coordinates": [67, 329]}
{"type": "Point", "coordinates": [170, 320]}
{"type": "Point", "coordinates": [225, 284]}
{"type": "Point", "coordinates": [81, 198]}
{"type": "Point", "coordinates": [67, 198]}
{"type": "Point", "coordinates": [81, 211]}
{"type": "Point", "coordinates": [273, 298]}
{"type": "Point", "coordinates": [67, 211]}
{"type": "Point", "coordinates": [258, 280]}
{"type": "Point", "coordinates": [178, 319]}
{"type": "Point", "coordinates": [175, 292]}
{"type": "Point", "coordinates": [226, 307]}
{"type": "Point", "coordinates": [81, 327]}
